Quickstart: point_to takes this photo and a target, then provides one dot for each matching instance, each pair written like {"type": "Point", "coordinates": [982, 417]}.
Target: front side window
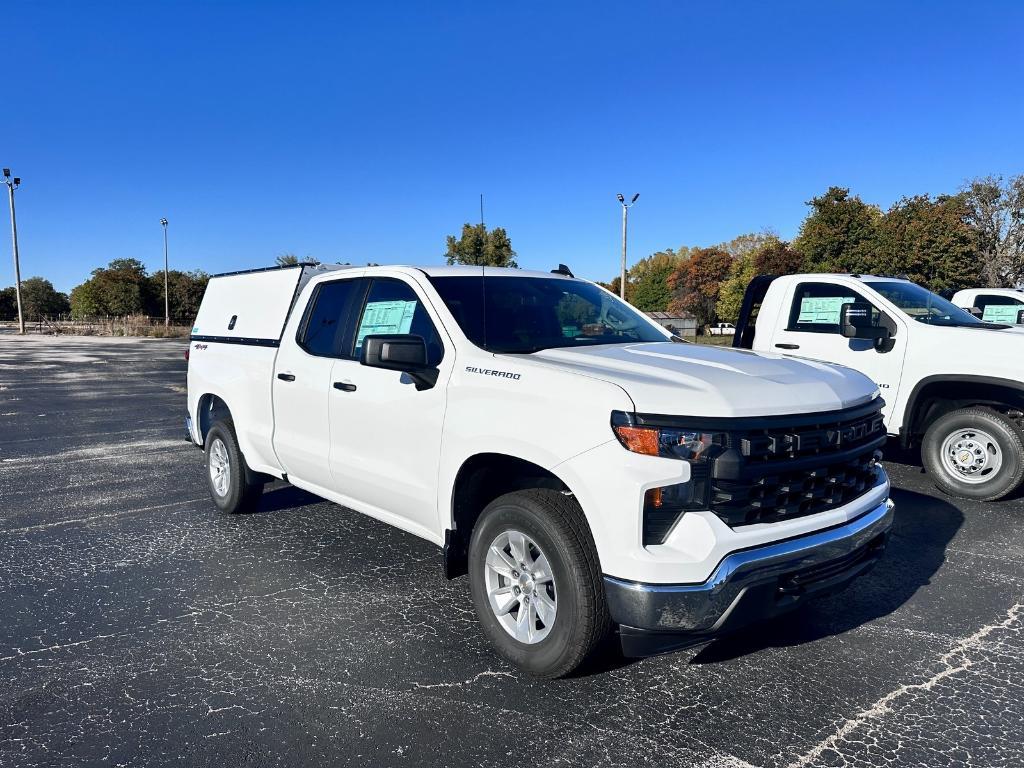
{"type": "Point", "coordinates": [328, 317]}
{"type": "Point", "coordinates": [816, 307]}
{"type": "Point", "coordinates": [924, 306]}
{"type": "Point", "coordinates": [392, 306]}
{"type": "Point", "coordinates": [528, 314]}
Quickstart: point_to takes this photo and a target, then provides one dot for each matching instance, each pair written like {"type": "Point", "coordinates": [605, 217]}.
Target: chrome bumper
{"type": "Point", "coordinates": [752, 584]}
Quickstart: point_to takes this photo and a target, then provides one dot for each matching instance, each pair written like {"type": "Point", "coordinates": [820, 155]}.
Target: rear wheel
{"type": "Point", "coordinates": [536, 582]}
{"type": "Point", "coordinates": [233, 486]}
{"type": "Point", "coordinates": [975, 453]}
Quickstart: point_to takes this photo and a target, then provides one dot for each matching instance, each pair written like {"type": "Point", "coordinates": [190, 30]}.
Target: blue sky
{"type": "Point", "coordinates": [366, 132]}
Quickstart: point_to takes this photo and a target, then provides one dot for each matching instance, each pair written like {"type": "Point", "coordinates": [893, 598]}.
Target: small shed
{"type": "Point", "coordinates": [680, 323]}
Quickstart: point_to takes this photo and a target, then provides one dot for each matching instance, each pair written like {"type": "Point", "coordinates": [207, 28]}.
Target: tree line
{"type": "Point", "coordinates": [970, 239]}
{"type": "Point", "coordinates": [122, 288]}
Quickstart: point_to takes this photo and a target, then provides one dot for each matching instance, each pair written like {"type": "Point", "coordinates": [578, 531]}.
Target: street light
{"type": "Point", "coordinates": [13, 184]}
{"type": "Point", "coordinates": [625, 216]}
{"type": "Point", "coordinates": [167, 299]}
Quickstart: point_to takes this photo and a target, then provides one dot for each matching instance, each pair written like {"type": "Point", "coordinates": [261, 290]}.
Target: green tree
{"type": "Point", "coordinates": [122, 288]}
{"type": "Point", "coordinates": [771, 256]}
{"type": "Point", "coordinates": [840, 234]}
{"type": "Point", "coordinates": [40, 299]}
{"type": "Point", "coordinates": [733, 287]}
{"type": "Point", "coordinates": [696, 283]}
{"type": "Point", "coordinates": [930, 241]}
{"type": "Point", "coordinates": [647, 281]}
{"type": "Point", "coordinates": [8, 304]}
{"type": "Point", "coordinates": [185, 292]}
{"type": "Point", "coordinates": [286, 260]}
{"type": "Point", "coordinates": [479, 246]}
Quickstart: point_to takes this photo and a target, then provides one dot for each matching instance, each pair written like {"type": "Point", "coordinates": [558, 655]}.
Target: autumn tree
{"type": "Point", "coordinates": [996, 213]}
{"type": "Point", "coordinates": [479, 246]}
{"type": "Point", "coordinates": [771, 256]}
{"type": "Point", "coordinates": [647, 281]}
{"type": "Point", "coordinates": [696, 282]}
{"type": "Point", "coordinates": [840, 234]}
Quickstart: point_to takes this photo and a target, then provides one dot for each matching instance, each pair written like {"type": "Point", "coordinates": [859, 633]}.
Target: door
{"type": "Point", "coordinates": [386, 434]}
{"type": "Point", "coordinates": [811, 330]}
{"type": "Point", "coordinates": [302, 380]}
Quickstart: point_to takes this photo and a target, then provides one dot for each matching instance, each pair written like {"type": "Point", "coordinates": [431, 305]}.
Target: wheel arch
{"type": "Point", "coordinates": [481, 479]}
{"type": "Point", "coordinates": [210, 408]}
{"type": "Point", "coordinates": [935, 396]}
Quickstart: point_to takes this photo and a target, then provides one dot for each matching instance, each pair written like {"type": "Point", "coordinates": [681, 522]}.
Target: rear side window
{"type": "Point", "coordinates": [392, 306]}
{"type": "Point", "coordinates": [329, 317]}
{"type": "Point", "coordinates": [816, 307]}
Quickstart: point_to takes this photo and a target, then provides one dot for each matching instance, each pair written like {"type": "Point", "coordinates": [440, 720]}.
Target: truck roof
{"type": "Point", "coordinates": [854, 275]}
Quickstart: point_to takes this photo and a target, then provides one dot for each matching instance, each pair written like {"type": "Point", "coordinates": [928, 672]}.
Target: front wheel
{"type": "Point", "coordinates": [974, 453]}
{"type": "Point", "coordinates": [536, 582]}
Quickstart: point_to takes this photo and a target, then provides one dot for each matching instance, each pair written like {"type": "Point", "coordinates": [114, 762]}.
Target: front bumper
{"type": "Point", "coordinates": [747, 586]}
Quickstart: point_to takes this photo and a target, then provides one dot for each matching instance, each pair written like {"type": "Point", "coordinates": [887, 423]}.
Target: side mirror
{"type": "Point", "coordinates": [974, 311]}
{"type": "Point", "coordinates": [1020, 317]}
{"type": "Point", "coordinates": [403, 352]}
{"type": "Point", "coordinates": [855, 322]}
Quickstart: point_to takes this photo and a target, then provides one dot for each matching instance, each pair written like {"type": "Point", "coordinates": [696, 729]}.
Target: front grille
{"type": "Point", "coordinates": [780, 495]}
{"type": "Point", "coordinates": [776, 471]}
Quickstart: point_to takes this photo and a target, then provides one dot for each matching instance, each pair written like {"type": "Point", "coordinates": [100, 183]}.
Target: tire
{"type": "Point", "coordinates": [238, 489]}
{"type": "Point", "coordinates": [974, 453]}
{"type": "Point", "coordinates": [556, 531]}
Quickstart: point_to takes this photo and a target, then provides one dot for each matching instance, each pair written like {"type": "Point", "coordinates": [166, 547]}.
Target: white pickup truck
{"type": "Point", "coordinates": [993, 305]}
{"type": "Point", "coordinates": [953, 384]}
{"type": "Point", "coordinates": [587, 471]}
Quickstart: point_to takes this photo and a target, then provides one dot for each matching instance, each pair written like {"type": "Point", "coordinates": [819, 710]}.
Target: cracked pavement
{"type": "Point", "coordinates": [139, 626]}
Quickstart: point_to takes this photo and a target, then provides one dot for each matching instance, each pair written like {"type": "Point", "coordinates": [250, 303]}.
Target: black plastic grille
{"type": "Point", "coordinates": [778, 494]}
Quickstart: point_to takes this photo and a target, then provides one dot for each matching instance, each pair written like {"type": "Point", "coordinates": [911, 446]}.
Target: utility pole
{"type": "Point", "coordinates": [13, 184]}
{"type": "Point", "coordinates": [481, 209]}
{"type": "Point", "coordinates": [167, 296]}
{"type": "Point", "coordinates": [625, 217]}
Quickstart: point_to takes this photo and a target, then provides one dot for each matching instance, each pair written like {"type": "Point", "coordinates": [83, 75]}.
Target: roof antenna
{"type": "Point", "coordinates": [483, 300]}
{"type": "Point", "coordinates": [562, 270]}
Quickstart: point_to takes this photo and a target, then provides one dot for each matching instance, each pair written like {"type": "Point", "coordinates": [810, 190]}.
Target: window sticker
{"type": "Point", "coordinates": [385, 317]}
{"type": "Point", "coordinates": [822, 311]}
{"type": "Point", "coordinates": [1001, 313]}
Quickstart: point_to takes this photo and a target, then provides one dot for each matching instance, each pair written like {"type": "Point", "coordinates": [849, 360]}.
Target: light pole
{"type": "Point", "coordinates": [625, 217]}
{"type": "Point", "coordinates": [13, 184]}
{"type": "Point", "coordinates": [167, 298]}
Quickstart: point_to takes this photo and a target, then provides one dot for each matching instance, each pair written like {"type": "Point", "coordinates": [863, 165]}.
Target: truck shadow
{"type": "Point", "coordinates": [279, 497]}
{"type": "Point", "coordinates": [923, 528]}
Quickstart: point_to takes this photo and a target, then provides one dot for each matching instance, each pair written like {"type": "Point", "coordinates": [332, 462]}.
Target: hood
{"type": "Point", "coordinates": [699, 380]}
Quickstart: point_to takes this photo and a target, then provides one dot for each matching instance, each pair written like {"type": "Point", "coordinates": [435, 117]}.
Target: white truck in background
{"type": "Point", "coordinates": [589, 473]}
{"type": "Point", "coordinates": [953, 384]}
{"type": "Point", "coordinates": [993, 305]}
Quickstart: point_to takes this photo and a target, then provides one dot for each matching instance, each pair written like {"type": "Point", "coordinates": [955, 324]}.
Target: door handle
{"type": "Point", "coordinates": [286, 376]}
{"type": "Point", "coordinates": [345, 386]}
{"type": "Point", "coordinates": [788, 346]}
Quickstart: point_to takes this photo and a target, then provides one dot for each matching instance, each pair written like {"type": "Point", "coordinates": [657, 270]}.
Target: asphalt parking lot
{"type": "Point", "coordinates": [138, 626]}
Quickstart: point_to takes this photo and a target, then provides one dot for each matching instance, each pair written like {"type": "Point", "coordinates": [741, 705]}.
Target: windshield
{"type": "Point", "coordinates": [925, 306]}
{"type": "Point", "coordinates": [528, 314]}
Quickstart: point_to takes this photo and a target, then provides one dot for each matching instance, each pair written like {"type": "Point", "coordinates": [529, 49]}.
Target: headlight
{"type": "Point", "coordinates": [670, 442]}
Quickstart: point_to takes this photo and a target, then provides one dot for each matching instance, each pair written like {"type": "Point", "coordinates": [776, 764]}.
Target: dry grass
{"type": "Point", "coordinates": [131, 325]}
